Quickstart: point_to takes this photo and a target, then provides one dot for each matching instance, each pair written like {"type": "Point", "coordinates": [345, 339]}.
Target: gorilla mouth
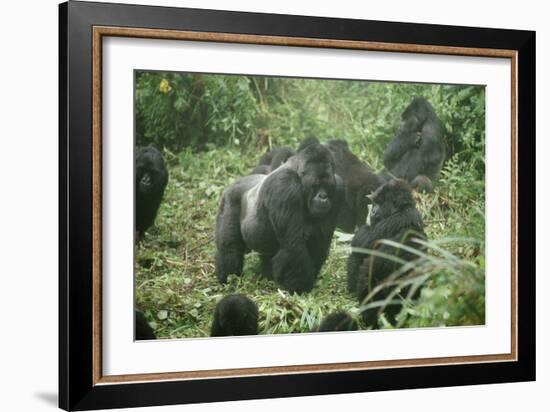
{"type": "Point", "coordinates": [146, 180]}
{"type": "Point", "coordinates": [319, 209]}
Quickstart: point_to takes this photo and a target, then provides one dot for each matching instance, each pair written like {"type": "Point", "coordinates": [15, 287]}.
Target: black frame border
{"type": "Point", "coordinates": [76, 388]}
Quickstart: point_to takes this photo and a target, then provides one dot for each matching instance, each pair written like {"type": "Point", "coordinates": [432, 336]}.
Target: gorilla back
{"type": "Point", "coordinates": [272, 160]}
{"type": "Point", "coordinates": [288, 217]}
{"type": "Point", "coordinates": [418, 147]}
{"type": "Point", "coordinates": [394, 217]}
{"type": "Point", "coordinates": [359, 181]}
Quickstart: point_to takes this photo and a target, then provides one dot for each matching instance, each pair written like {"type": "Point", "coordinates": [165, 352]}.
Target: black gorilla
{"type": "Point", "coordinates": [288, 216]}
{"type": "Point", "coordinates": [418, 147]}
{"type": "Point", "coordinates": [151, 180]}
{"type": "Point", "coordinates": [359, 181]}
{"type": "Point", "coordinates": [393, 217]}
{"type": "Point", "coordinates": [143, 330]}
{"type": "Point", "coordinates": [338, 322]}
{"type": "Point", "coordinates": [235, 315]}
{"type": "Point", "coordinates": [272, 160]}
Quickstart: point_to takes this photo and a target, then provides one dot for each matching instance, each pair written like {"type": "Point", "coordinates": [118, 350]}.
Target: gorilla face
{"type": "Point", "coordinates": [390, 198]}
{"type": "Point", "coordinates": [151, 180]}
{"type": "Point", "coordinates": [150, 171]}
{"type": "Point", "coordinates": [318, 181]}
{"type": "Point", "coordinates": [145, 182]}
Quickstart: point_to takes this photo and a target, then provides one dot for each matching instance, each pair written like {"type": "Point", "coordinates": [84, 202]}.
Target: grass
{"type": "Point", "coordinates": [177, 288]}
{"type": "Point", "coordinates": [226, 122]}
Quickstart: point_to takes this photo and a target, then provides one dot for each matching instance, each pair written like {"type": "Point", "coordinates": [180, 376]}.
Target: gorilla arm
{"type": "Point", "coordinates": [292, 264]}
{"type": "Point", "coordinates": [393, 228]}
{"type": "Point", "coordinates": [230, 246]}
{"type": "Point", "coordinates": [433, 155]}
{"type": "Point", "coordinates": [402, 143]}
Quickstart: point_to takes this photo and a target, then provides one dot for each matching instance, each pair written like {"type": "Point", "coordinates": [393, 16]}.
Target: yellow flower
{"type": "Point", "coordinates": [164, 86]}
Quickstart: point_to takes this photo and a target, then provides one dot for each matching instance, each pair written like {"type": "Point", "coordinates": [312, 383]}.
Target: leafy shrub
{"type": "Point", "coordinates": [176, 110]}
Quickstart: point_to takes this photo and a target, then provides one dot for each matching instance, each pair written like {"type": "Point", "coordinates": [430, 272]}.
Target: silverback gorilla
{"type": "Point", "coordinates": [359, 181]}
{"type": "Point", "coordinates": [288, 217]}
{"type": "Point", "coordinates": [272, 160]}
{"type": "Point", "coordinates": [235, 315]}
{"type": "Point", "coordinates": [151, 180]}
{"type": "Point", "coordinates": [417, 151]}
{"type": "Point", "coordinates": [393, 217]}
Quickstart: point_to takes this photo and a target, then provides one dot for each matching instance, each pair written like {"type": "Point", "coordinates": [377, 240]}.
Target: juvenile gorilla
{"type": "Point", "coordinates": [338, 322]}
{"type": "Point", "coordinates": [359, 181]}
{"type": "Point", "coordinates": [272, 160]}
{"type": "Point", "coordinates": [235, 315]}
{"type": "Point", "coordinates": [418, 148]}
{"type": "Point", "coordinates": [151, 180]}
{"type": "Point", "coordinates": [288, 217]}
{"type": "Point", "coordinates": [393, 217]}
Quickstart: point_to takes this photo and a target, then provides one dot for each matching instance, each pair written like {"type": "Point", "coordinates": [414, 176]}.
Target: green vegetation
{"type": "Point", "coordinates": [213, 129]}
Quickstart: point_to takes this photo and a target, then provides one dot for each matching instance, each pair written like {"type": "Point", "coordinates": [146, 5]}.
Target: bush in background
{"type": "Point", "coordinates": [179, 110]}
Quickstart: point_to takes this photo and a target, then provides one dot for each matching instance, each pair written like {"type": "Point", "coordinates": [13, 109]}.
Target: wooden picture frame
{"type": "Point", "coordinates": [82, 28]}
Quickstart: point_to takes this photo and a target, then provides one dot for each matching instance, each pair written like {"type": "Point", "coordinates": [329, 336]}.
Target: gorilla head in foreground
{"type": "Point", "coordinates": [394, 217]}
{"type": "Point", "coordinates": [151, 180]}
{"type": "Point", "coordinates": [272, 160]}
{"type": "Point", "coordinates": [235, 315]}
{"type": "Point", "coordinates": [143, 331]}
{"type": "Point", "coordinates": [288, 217]}
{"type": "Point", "coordinates": [338, 322]}
{"type": "Point", "coordinates": [418, 148]}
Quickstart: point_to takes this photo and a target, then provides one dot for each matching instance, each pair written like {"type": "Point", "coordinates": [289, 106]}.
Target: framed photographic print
{"type": "Point", "coordinates": [257, 205]}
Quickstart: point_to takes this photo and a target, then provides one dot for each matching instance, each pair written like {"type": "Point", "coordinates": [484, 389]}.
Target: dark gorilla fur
{"type": "Point", "coordinates": [418, 147]}
{"type": "Point", "coordinates": [151, 180]}
{"type": "Point", "coordinates": [422, 183]}
{"type": "Point", "coordinates": [235, 315]}
{"type": "Point", "coordinates": [272, 160]}
{"type": "Point", "coordinates": [359, 181]}
{"type": "Point", "coordinates": [393, 217]}
{"type": "Point", "coordinates": [288, 216]}
{"type": "Point", "coordinates": [143, 330]}
{"type": "Point", "coordinates": [338, 322]}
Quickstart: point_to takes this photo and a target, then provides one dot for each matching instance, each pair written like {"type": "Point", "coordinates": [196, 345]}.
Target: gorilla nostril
{"type": "Point", "coordinates": [322, 196]}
